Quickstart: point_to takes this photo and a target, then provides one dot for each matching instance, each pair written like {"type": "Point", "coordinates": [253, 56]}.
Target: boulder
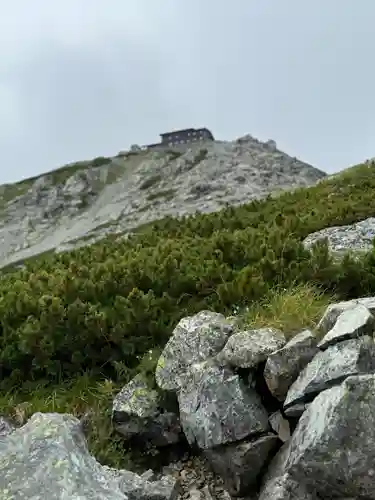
{"type": "Point", "coordinates": [247, 349]}
{"type": "Point", "coordinates": [137, 413]}
{"type": "Point", "coordinates": [351, 323]}
{"type": "Point", "coordinates": [330, 367]}
{"type": "Point", "coordinates": [284, 365]}
{"type": "Point", "coordinates": [217, 408]}
{"type": "Point", "coordinates": [333, 311]}
{"type": "Point", "coordinates": [332, 450]}
{"type": "Point", "coordinates": [48, 458]}
{"type": "Point", "coordinates": [195, 338]}
{"type": "Point", "coordinates": [240, 464]}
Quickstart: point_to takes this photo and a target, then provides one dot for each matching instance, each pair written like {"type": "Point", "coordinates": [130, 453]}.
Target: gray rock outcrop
{"type": "Point", "coordinates": [195, 338]}
{"type": "Point", "coordinates": [284, 365]}
{"type": "Point", "coordinates": [247, 349]}
{"type": "Point", "coordinates": [82, 202]}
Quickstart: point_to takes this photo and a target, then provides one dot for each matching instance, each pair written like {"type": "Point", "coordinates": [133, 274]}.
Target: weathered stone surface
{"type": "Point", "coordinates": [48, 458]}
{"type": "Point", "coordinates": [333, 311]}
{"type": "Point", "coordinates": [356, 238]}
{"type": "Point", "coordinates": [137, 412]}
{"type": "Point", "coordinates": [285, 488]}
{"type": "Point", "coordinates": [351, 323]}
{"type": "Point", "coordinates": [331, 366]}
{"type": "Point", "coordinates": [217, 408]}
{"type": "Point", "coordinates": [332, 450]}
{"type": "Point", "coordinates": [6, 426]}
{"type": "Point", "coordinates": [284, 365]}
{"type": "Point", "coordinates": [202, 494]}
{"type": "Point", "coordinates": [139, 488]}
{"type": "Point", "coordinates": [247, 349]}
{"type": "Point", "coordinates": [240, 464]}
{"type": "Point", "coordinates": [280, 425]}
{"type": "Point", "coordinates": [195, 338]}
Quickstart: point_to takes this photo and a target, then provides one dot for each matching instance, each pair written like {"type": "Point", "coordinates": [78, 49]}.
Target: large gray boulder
{"type": "Point", "coordinates": [217, 408]}
{"type": "Point", "coordinates": [331, 366]}
{"type": "Point", "coordinates": [284, 365]}
{"type": "Point", "coordinates": [138, 413]}
{"type": "Point", "coordinates": [249, 348]}
{"type": "Point", "coordinates": [333, 311]}
{"type": "Point", "coordinates": [195, 338]}
{"type": "Point", "coordinates": [47, 458]}
{"type": "Point", "coordinates": [332, 450]}
{"type": "Point", "coordinates": [351, 323]}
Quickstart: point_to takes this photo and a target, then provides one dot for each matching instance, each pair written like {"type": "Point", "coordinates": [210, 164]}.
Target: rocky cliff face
{"type": "Point", "coordinates": [82, 202]}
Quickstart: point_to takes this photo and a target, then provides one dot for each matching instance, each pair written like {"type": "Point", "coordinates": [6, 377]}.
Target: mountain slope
{"type": "Point", "coordinates": [78, 325]}
{"type": "Point", "coordinates": [80, 203]}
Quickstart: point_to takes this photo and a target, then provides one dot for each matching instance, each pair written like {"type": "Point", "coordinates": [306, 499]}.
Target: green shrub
{"type": "Point", "coordinates": [100, 307]}
{"type": "Point", "coordinates": [100, 161]}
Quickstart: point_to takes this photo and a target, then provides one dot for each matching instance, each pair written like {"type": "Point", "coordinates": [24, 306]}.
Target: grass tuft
{"type": "Point", "coordinates": [289, 310]}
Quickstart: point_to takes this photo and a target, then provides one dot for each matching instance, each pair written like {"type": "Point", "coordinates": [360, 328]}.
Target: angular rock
{"type": "Point", "coordinates": [137, 413]}
{"type": "Point", "coordinates": [247, 349]}
{"type": "Point", "coordinates": [351, 323]}
{"type": "Point", "coordinates": [195, 338]}
{"type": "Point", "coordinates": [280, 425]}
{"type": "Point", "coordinates": [240, 464]}
{"type": "Point", "coordinates": [47, 458]}
{"type": "Point", "coordinates": [333, 311]}
{"type": "Point", "coordinates": [217, 408]}
{"type": "Point", "coordinates": [285, 488]}
{"type": "Point", "coordinates": [284, 365]}
{"type": "Point", "coordinates": [331, 366]}
{"type": "Point", "coordinates": [332, 450]}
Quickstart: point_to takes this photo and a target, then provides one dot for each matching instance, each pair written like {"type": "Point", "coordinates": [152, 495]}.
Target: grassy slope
{"type": "Point", "coordinates": [122, 298]}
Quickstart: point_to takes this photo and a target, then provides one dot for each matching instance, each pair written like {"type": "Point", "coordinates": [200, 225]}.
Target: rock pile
{"type": "Point", "coordinates": [270, 418]}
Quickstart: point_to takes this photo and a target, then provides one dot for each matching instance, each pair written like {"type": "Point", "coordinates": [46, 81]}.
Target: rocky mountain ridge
{"type": "Point", "coordinates": [82, 202]}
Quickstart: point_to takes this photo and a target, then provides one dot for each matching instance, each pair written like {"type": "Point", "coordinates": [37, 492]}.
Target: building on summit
{"type": "Point", "coordinates": [184, 136]}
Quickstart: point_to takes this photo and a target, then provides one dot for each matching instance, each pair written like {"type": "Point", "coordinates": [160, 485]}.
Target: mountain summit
{"type": "Point", "coordinates": [80, 203]}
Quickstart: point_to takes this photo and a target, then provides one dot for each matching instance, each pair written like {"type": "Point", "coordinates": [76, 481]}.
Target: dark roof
{"type": "Point", "coordinates": [179, 131]}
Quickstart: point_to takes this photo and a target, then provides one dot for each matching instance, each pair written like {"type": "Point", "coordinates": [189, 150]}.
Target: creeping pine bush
{"type": "Point", "coordinates": [93, 308]}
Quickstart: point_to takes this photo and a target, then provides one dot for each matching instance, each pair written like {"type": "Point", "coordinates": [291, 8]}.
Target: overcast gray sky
{"type": "Point", "coordinates": [83, 78]}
